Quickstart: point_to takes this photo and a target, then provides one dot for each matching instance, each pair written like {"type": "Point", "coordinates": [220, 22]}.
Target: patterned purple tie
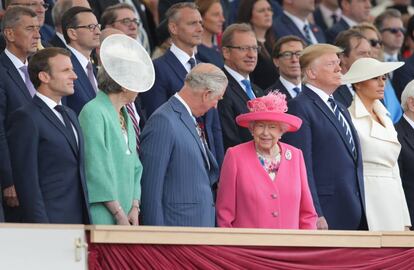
{"type": "Point", "coordinates": [91, 76]}
{"type": "Point", "coordinates": [135, 122]}
{"type": "Point", "coordinates": [27, 81]}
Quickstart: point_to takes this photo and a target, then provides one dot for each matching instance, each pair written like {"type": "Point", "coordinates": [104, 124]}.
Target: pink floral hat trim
{"type": "Point", "coordinates": [272, 107]}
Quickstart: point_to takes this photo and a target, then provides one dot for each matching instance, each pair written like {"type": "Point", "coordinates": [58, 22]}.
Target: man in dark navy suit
{"type": "Point", "coordinates": [327, 14]}
{"type": "Point", "coordinates": [46, 146]}
{"type": "Point", "coordinates": [353, 13]}
{"type": "Point", "coordinates": [81, 31]}
{"type": "Point", "coordinates": [185, 28]}
{"type": "Point", "coordinates": [20, 27]}
{"type": "Point", "coordinates": [294, 22]}
{"type": "Point", "coordinates": [329, 142]}
{"type": "Point", "coordinates": [355, 46]}
{"type": "Point", "coordinates": [285, 56]}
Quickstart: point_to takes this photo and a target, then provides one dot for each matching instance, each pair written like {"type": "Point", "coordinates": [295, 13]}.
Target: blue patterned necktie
{"type": "Point", "coordinates": [306, 30]}
{"type": "Point", "coordinates": [249, 90]}
{"type": "Point", "coordinates": [192, 62]}
{"type": "Point", "coordinates": [342, 122]}
{"type": "Point", "coordinates": [296, 90]}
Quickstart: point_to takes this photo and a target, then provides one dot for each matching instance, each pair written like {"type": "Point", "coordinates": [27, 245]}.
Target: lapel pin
{"type": "Point", "coordinates": [288, 154]}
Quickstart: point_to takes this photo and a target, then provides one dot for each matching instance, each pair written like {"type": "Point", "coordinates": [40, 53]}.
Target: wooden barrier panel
{"type": "Point", "coordinates": [247, 237]}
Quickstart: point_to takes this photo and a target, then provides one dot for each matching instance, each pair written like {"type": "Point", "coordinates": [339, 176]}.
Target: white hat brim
{"type": "Point", "coordinates": [367, 68]}
{"type": "Point", "coordinates": [127, 63]}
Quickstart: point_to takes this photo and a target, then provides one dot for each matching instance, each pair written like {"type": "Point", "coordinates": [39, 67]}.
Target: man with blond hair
{"type": "Point", "coordinates": [329, 142]}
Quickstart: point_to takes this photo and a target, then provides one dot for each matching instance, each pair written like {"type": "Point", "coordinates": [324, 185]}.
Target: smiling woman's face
{"type": "Point", "coordinates": [266, 134]}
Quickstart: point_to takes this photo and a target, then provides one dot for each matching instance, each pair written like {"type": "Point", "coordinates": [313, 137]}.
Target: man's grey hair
{"type": "Point", "coordinates": [215, 81]}
{"type": "Point", "coordinates": [173, 12]}
{"type": "Point", "coordinates": [13, 14]}
{"type": "Point", "coordinates": [106, 84]}
{"type": "Point", "coordinates": [407, 93]}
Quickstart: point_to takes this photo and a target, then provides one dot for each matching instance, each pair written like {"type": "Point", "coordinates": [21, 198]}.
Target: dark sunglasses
{"type": "Point", "coordinates": [375, 42]}
{"type": "Point", "coordinates": [393, 30]}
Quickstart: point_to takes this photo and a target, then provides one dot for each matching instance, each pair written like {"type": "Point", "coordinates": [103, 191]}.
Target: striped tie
{"type": "Point", "coordinates": [306, 30]}
{"type": "Point", "coordinates": [343, 124]}
{"type": "Point", "coordinates": [135, 123]}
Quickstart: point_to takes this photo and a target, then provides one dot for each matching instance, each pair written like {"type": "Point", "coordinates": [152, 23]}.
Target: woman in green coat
{"type": "Point", "coordinates": [113, 169]}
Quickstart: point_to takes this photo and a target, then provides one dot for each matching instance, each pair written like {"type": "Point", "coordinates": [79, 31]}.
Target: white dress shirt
{"type": "Point", "coordinates": [16, 62]}
{"type": "Point", "coordinates": [238, 77]}
{"type": "Point", "coordinates": [83, 61]}
{"type": "Point", "coordinates": [289, 86]}
{"type": "Point", "coordinates": [182, 56]}
{"type": "Point", "coordinates": [52, 104]}
{"type": "Point", "coordinates": [300, 25]}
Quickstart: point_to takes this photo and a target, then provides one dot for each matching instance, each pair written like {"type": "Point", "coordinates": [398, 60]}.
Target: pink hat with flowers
{"type": "Point", "coordinates": [271, 107]}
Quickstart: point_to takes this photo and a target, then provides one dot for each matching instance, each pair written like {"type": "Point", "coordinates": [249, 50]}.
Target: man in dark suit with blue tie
{"type": "Point", "coordinates": [20, 27]}
{"type": "Point", "coordinates": [240, 53]}
{"type": "Point", "coordinates": [46, 146]}
{"type": "Point", "coordinates": [185, 27]}
{"type": "Point", "coordinates": [294, 22]}
{"type": "Point", "coordinates": [180, 170]}
{"type": "Point", "coordinates": [81, 31]}
{"type": "Point", "coordinates": [353, 13]}
{"type": "Point", "coordinates": [285, 56]}
{"type": "Point", "coordinates": [329, 143]}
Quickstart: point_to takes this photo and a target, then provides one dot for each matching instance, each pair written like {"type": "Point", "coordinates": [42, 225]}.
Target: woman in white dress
{"type": "Point", "coordinates": [386, 206]}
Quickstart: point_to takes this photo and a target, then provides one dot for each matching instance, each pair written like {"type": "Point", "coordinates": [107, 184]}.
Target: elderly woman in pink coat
{"type": "Point", "coordinates": [263, 183]}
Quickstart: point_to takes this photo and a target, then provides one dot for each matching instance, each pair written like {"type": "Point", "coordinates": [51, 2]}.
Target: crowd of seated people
{"type": "Point", "coordinates": [283, 114]}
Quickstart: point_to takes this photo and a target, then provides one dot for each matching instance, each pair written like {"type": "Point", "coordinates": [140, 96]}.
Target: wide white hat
{"type": "Point", "coordinates": [367, 68]}
{"type": "Point", "coordinates": [127, 63]}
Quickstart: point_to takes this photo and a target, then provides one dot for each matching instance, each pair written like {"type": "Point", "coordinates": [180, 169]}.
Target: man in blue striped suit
{"type": "Point", "coordinates": [179, 169]}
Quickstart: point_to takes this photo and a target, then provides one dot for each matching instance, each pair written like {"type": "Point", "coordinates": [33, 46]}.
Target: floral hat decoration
{"type": "Point", "coordinates": [272, 107]}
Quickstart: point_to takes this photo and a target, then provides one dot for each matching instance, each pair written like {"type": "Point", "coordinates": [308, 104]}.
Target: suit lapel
{"type": "Point", "coordinates": [176, 65]}
{"type": "Point", "coordinates": [15, 75]}
{"type": "Point", "coordinates": [83, 78]}
{"type": "Point", "coordinates": [408, 133]}
{"type": "Point", "coordinates": [47, 112]}
{"type": "Point", "coordinates": [236, 88]}
{"type": "Point", "coordinates": [292, 27]}
{"type": "Point", "coordinates": [179, 108]}
{"type": "Point", "coordinates": [331, 116]}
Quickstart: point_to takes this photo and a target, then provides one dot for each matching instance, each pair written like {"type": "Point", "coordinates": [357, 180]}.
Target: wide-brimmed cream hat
{"type": "Point", "coordinates": [127, 63]}
{"type": "Point", "coordinates": [367, 68]}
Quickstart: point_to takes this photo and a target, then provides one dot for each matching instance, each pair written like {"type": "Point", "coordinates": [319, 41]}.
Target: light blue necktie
{"type": "Point", "coordinates": [249, 90]}
{"type": "Point", "coordinates": [306, 30]}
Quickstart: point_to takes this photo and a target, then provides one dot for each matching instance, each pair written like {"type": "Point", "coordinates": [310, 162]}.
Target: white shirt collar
{"type": "Point", "coordinates": [81, 58]}
{"type": "Point", "coordinates": [300, 24]}
{"type": "Point", "coordinates": [237, 76]}
{"type": "Point", "coordinates": [324, 96]}
{"type": "Point", "coordinates": [62, 38]}
{"type": "Point", "coordinates": [411, 122]}
{"type": "Point", "coordinates": [388, 56]}
{"type": "Point", "coordinates": [349, 21]}
{"type": "Point", "coordinates": [327, 14]}
{"type": "Point", "coordinates": [49, 102]}
{"type": "Point", "coordinates": [289, 86]}
{"type": "Point", "coordinates": [16, 61]}
{"type": "Point", "coordinates": [182, 56]}
{"type": "Point", "coordinates": [185, 105]}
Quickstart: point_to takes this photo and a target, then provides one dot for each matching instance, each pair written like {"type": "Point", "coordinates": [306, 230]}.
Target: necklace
{"type": "Point", "coordinates": [122, 121]}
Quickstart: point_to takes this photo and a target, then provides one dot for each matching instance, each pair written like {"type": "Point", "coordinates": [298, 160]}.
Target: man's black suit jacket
{"type": "Point", "coordinates": [234, 102]}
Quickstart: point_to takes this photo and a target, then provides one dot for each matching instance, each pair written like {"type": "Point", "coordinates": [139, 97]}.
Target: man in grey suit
{"type": "Point", "coordinates": [179, 167]}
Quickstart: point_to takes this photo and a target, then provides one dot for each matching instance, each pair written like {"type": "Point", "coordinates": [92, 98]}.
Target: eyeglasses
{"type": "Point", "coordinates": [31, 5]}
{"type": "Point", "coordinates": [91, 26]}
{"type": "Point", "coordinates": [375, 42]}
{"type": "Point", "coordinates": [289, 54]}
{"type": "Point", "coordinates": [245, 48]}
{"type": "Point", "coordinates": [128, 21]}
{"type": "Point", "coordinates": [393, 30]}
